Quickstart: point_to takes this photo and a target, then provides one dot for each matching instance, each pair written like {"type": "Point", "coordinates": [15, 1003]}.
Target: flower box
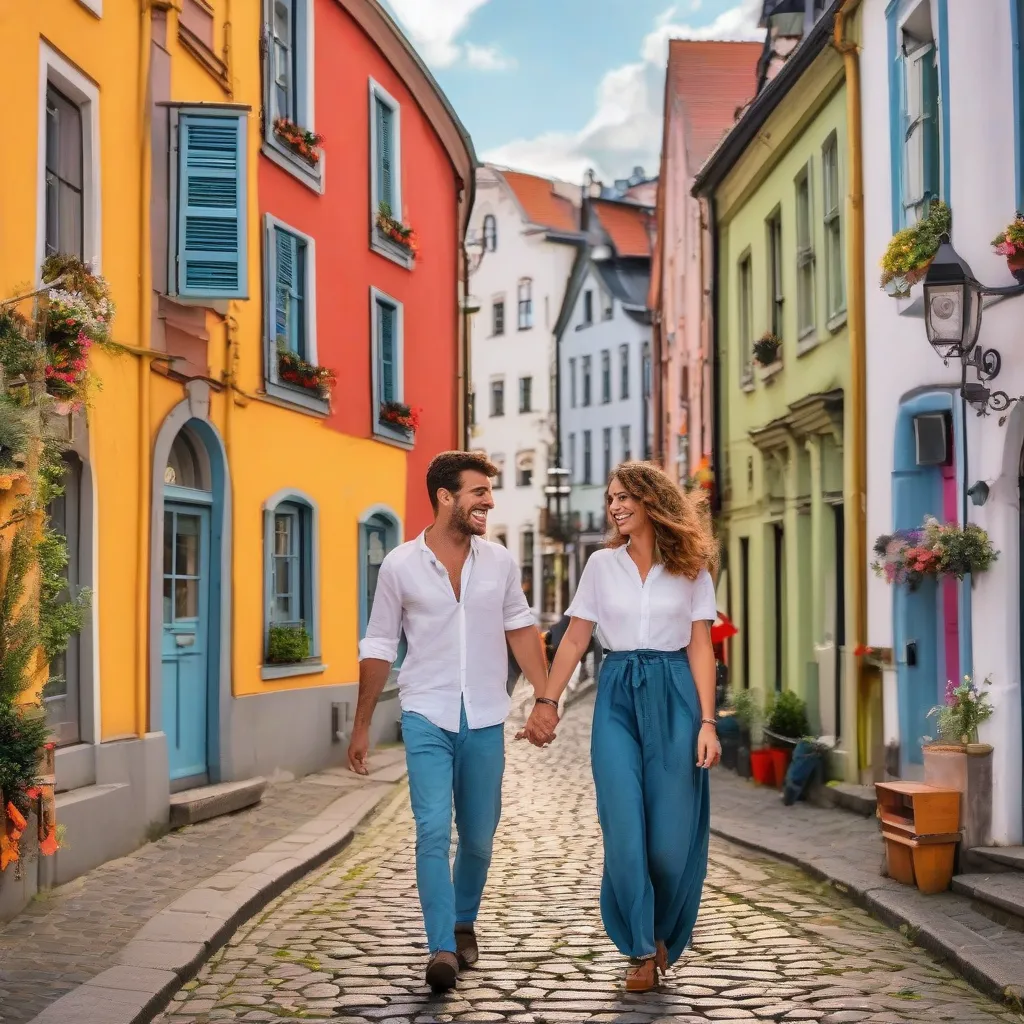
{"type": "Point", "coordinates": [318, 380]}
{"type": "Point", "coordinates": [300, 141]}
{"type": "Point", "coordinates": [910, 252]}
{"type": "Point", "coordinates": [395, 231]}
{"type": "Point", "coordinates": [1010, 243]}
{"type": "Point", "coordinates": [933, 550]}
{"type": "Point", "coordinates": [398, 414]}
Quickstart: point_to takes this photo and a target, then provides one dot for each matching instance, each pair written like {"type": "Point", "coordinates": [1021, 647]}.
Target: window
{"type": "Point", "coordinates": [209, 208]}
{"type": "Point", "coordinates": [627, 451]}
{"type": "Point", "coordinates": [386, 171]}
{"type": "Point", "coordinates": [606, 445]}
{"type": "Point", "coordinates": [623, 371]}
{"type": "Point", "coordinates": [499, 481]}
{"type": "Point", "coordinates": [835, 284]}
{"type": "Point", "coordinates": [526, 564]}
{"type": "Point", "coordinates": [380, 531]}
{"type": "Point", "coordinates": [490, 233]}
{"type": "Point", "coordinates": [588, 308]}
{"type": "Point", "coordinates": [525, 295]}
{"type": "Point", "coordinates": [804, 255]}
{"type": "Point", "coordinates": [498, 397]}
{"type": "Point", "coordinates": [745, 292]}
{"type": "Point", "coordinates": [524, 469]}
{"type": "Point", "coordinates": [607, 305]}
{"type": "Point", "coordinates": [586, 380]}
{"type": "Point", "coordinates": [525, 394]}
{"type": "Point", "coordinates": [572, 382]}
{"type": "Point", "coordinates": [606, 376]}
{"type": "Point", "coordinates": [65, 176]}
{"type": "Point", "coordinates": [498, 318]}
{"type": "Point", "coordinates": [388, 327]}
{"type": "Point", "coordinates": [291, 560]}
{"type": "Point", "coordinates": [586, 457]}
{"type": "Point", "coordinates": [570, 463]}
{"type": "Point", "coordinates": [920, 130]}
{"type": "Point", "coordinates": [290, 312]}
{"type": "Point", "coordinates": [775, 292]}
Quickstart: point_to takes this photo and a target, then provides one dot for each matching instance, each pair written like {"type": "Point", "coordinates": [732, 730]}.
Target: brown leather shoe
{"type": "Point", "coordinates": [642, 975]}
{"type": "Point", "coordinates": [443, 971]}
{"type": "Point", "coordinates": [465, 943]}
{"type": "Point", "coordinates": [661, 956]}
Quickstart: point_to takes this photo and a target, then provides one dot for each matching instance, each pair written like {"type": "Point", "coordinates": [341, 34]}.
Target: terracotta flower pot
{"type": "Point", "coordinates": [762, 767]}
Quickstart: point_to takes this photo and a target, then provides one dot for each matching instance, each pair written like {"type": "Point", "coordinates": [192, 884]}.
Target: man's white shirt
{"type": "Point", "coordinates": [456, 649]}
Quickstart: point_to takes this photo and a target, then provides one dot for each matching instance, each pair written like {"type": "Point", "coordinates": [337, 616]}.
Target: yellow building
{"type": "Point", "coordinates": [228, 526]}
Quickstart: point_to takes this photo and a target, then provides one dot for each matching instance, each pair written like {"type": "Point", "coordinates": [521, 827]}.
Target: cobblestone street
{"type": "Point", "coordinates": [346, 944]}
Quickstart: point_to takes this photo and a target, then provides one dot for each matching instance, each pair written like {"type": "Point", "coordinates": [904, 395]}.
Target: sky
{"type": "Point", "coordinates": [559, 86]}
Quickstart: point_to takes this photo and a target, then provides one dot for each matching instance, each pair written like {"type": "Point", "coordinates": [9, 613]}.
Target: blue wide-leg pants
{"type": "Point", "coordinates": [652, 800]}
{"type": "Point", "coordinates": [464, 769]}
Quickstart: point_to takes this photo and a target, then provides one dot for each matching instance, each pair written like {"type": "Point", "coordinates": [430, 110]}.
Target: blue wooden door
{"type": "Point", "coordinates": [185, 642]}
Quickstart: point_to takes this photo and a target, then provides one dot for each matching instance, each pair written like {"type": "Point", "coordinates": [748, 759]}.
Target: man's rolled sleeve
{"type": "Point", "coordinates": [384, 630]}
{"type": "Point", "coordinates": [516, 610]}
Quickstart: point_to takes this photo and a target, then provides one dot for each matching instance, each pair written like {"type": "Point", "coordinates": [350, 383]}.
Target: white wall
{"type": "Point", "coordinates": [520, 253]}
{"type": "Point", "coordinates": [982, 199]}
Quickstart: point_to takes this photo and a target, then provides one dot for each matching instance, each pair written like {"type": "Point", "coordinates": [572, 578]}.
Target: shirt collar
{"type": "Point", "coordinates": [474, 545]}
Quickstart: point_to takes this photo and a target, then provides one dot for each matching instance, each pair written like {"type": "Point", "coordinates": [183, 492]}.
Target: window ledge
{"type": "Point", "coordinates": [276, 153]}
{"type": "Point", "coordinates": [808, 343]}
{"type": "Point", "coordinates": [583, 326]}
{"type": "Point", "coordinates": [837, 322]}
{"type": "Point", "coordinates": [747, 382]}
{"type": "Point", "coordinates": [297, 399]}
{"type": "Point", "coordinates": [310, 667]}
{"type": "Point", "coordinates": [766, 374]}
{"type": "Point", "coordinates": [397, 438]}
{"type": "Point", "coordinates": [529, 327]}
{"type": "Point", "coordinates": [390, 250]}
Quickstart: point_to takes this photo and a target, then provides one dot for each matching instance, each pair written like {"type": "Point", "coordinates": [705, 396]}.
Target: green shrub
{"type": "Point", "coordinates": [287, 645]}
{"type": "Point", "coordinates": [788, 716]}
{"type": "Point", "coordinates": [747, 707]}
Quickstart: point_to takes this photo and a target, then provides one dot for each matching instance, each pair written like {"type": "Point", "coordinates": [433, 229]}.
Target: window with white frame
{"type": "Point", "coordinates": [68, 205]}
{"type": "Point", "coordinates": [587, 457]}
{"type": "Point", "coordinates": [606, 376]}
{"type": "Point", "coordinates": [498, 482]}
{"type": "Point", "coordinates": [526, 394]}
{"type": "Point", "coordinates": [291, 585]}
{"type": "Point", "coordinates": [498, 396]}
{"type": "Point", "coordinates": [380, 532]}
{"type": "Point", "coordinates": [920, 118]}
{"type": "Point", "coordinates": [490, 233]}
{"type": "Point", "coordinates": [524, 469]}
{"type": "Point", "coordinates": [627, 449]}
{"type": "Point", "coordinates": [525, 297]}
{"type": "Point", "coordinates": [835, 283]}
{"type": "Point", "coordinates": [804, 254]}
{"type": "Point", "coordinates": [623, 371]}
{"type": "Point", "coordinates": [776, 293]}
{"type": "Point", "coordinates": [498, 317]}
{"type": "Point", "coordinates": [386, 170]}
{"type": "Point", "coordinates": [387, 343]}
{"type": "Point", "coordinates": [745, 319]}
{"type": "Point", "coordinates": [586, 380]}
{"type": "Point", "coordinates": [588, 308]}
{"type": "Point", "coordinates": [606, 452]}
{"type": "Point", "coordinates": [607, 305]}
{"type": "Point", "coordinates": [572, 382]}
{"type": "Point", "coordinates": [288, 86]}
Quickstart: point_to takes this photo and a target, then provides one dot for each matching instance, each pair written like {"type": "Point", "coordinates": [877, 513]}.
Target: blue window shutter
{"type": "Point", "coordinates": [385, 155]}
{"type": "Point", "coordinates": [930, 142]}
{"type": "Point", "coordinates": [386, 344]}
{"type": "Point", "coordinates": [284, 267]}
{"type": "Point", "coordinates": [211, 207]}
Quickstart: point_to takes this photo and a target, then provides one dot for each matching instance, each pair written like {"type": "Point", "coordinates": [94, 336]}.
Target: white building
{"type": "Point", "coordinates": [604, 359]}
{"type": "Point", "coordinates": [945, 77]}
{"type": "Point", "coordinates": [524, 236]}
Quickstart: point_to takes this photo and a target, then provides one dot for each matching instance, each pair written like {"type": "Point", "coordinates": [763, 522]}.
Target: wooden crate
{"type": "Point", "coordinates": [918, 810]}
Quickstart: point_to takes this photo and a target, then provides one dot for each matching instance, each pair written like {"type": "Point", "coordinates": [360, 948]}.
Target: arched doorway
{"type": "Point", "coordinates": [189, 633]}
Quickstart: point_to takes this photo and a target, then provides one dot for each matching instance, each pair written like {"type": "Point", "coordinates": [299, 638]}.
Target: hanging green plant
{"type": "Point", "coordinates": [911, 251]}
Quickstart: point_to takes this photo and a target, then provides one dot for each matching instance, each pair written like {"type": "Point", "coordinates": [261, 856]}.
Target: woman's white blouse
{"type": "Point", "coordinates": [634, 616]}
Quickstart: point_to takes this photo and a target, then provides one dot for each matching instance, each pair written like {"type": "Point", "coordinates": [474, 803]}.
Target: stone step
{"type": "Point", "coordinates": [856, 799]}
{"type": "Point", "coordinates": [194, 805]}
{"type": "Point", "coordinates": [999, 897]}
{"type": "Point", "coordinates": [993, 859]}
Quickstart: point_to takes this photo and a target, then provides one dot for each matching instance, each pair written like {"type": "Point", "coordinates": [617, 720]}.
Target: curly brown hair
{"type": "Point", "coordinates": [684, 541]}
{"type": "Point", "coordinates": [446, 468]}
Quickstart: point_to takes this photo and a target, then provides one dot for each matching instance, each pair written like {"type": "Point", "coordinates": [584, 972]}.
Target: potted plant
{"type": "Point", "coordinates": [787, 724]}
{"type": "Point", "coordinates": [399, 233]}
{"type": "Point", "coordinates": [1010, 243]}
{"type": "Point", "coordinates": [299, 140]}
{"type": "Point", "coordinates": [747, 712]}
{"type": "Point", "coordinates": [766, 350]}
{"type": "Point", "coordinates": [398, 414]}
{"type": "Point", "coordinates": [287, 644]}
{"type": "Point", "coordinates": [911, 251]}
{"type": "Point", "coordinates": [934, 549]}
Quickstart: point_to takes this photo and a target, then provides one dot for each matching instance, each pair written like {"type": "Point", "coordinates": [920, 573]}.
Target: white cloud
{"type": "Point", "coordinates": [625, 129]}
{"type": "Point", "coordinates": [434, 27]}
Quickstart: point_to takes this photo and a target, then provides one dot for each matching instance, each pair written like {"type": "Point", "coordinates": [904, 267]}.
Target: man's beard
{"type": "Point", "coordinates": [462, 522]}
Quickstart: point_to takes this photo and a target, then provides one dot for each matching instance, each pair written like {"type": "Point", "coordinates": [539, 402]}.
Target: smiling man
{"type": "Point", "coordinates": [457, 597]}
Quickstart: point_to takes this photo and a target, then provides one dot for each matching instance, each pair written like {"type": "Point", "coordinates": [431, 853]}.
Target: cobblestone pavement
{"type": "Point", "coordinates": [71, 934]}
{"type": "Point", "coordinates": [347, 945]}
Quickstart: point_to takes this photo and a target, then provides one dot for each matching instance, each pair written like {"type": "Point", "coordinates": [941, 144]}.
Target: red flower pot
{"type": "Point", "coordinates": [762, 767]}
{"type": "Point", "coordinates": [780, 763]}
{"type": "Point", "coordinates": [1016, 264]}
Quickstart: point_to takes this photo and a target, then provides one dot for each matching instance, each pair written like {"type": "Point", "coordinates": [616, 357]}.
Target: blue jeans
{"type": "Point", "coordinates": [465, 767]}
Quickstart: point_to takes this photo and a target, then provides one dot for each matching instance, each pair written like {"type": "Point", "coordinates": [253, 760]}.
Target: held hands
{"type": "Point", "coordinates": [709, 750]}
{"type": "Point", "coordinates": [541, 725]}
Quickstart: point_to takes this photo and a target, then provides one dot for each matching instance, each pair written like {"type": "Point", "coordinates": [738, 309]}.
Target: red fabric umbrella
{"type": "Point", "coordinates": [722, 629]}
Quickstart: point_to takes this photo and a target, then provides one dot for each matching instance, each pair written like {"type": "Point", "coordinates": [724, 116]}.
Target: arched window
{"type": "Point", "coordinates": [291, 585]}
{"type": "Point", "coordinates": [524, 469]}
{"type": "Point", "coordinates": [380, 531]}
{"type": "Point", "coordinates": [490, 233]}
{"type": "Point", "coordinates": [188, 464]}
{"type": "Point", "coordinates": [499, 463]}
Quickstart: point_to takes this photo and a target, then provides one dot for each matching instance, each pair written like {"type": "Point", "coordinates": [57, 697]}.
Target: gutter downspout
{"type": "Point", "coordinates": [710, 304]}
{"type": "Point", "coordinates": [142, 717]}
{"type": "Point", "coordinates": [858, 376]}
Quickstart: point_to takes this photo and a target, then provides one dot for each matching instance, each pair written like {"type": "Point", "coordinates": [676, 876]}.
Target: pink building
{"type": "Point", "coordinates": [706, 84]}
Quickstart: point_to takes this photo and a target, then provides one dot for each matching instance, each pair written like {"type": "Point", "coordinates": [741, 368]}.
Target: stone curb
{"type": "Point", "coordinates": [921, 919]}
{"type": "Point", "coordinates": [171, 947]}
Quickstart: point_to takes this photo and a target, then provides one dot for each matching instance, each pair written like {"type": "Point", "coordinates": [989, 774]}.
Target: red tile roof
{"type": "Point", "coordinates": [630, 227]}
{"type": "Point", "coordinates": [540, 202]}
{"type": "Point", "coordinates": [711, 80]}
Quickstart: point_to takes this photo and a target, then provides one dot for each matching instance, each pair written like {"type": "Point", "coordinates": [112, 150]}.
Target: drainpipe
{"type": "Point", "coordinates": [857, 334]}
{"type": "Point", "coordinates": [718, 464]}
{"type": "Point", "coordinates": [144, 332]}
